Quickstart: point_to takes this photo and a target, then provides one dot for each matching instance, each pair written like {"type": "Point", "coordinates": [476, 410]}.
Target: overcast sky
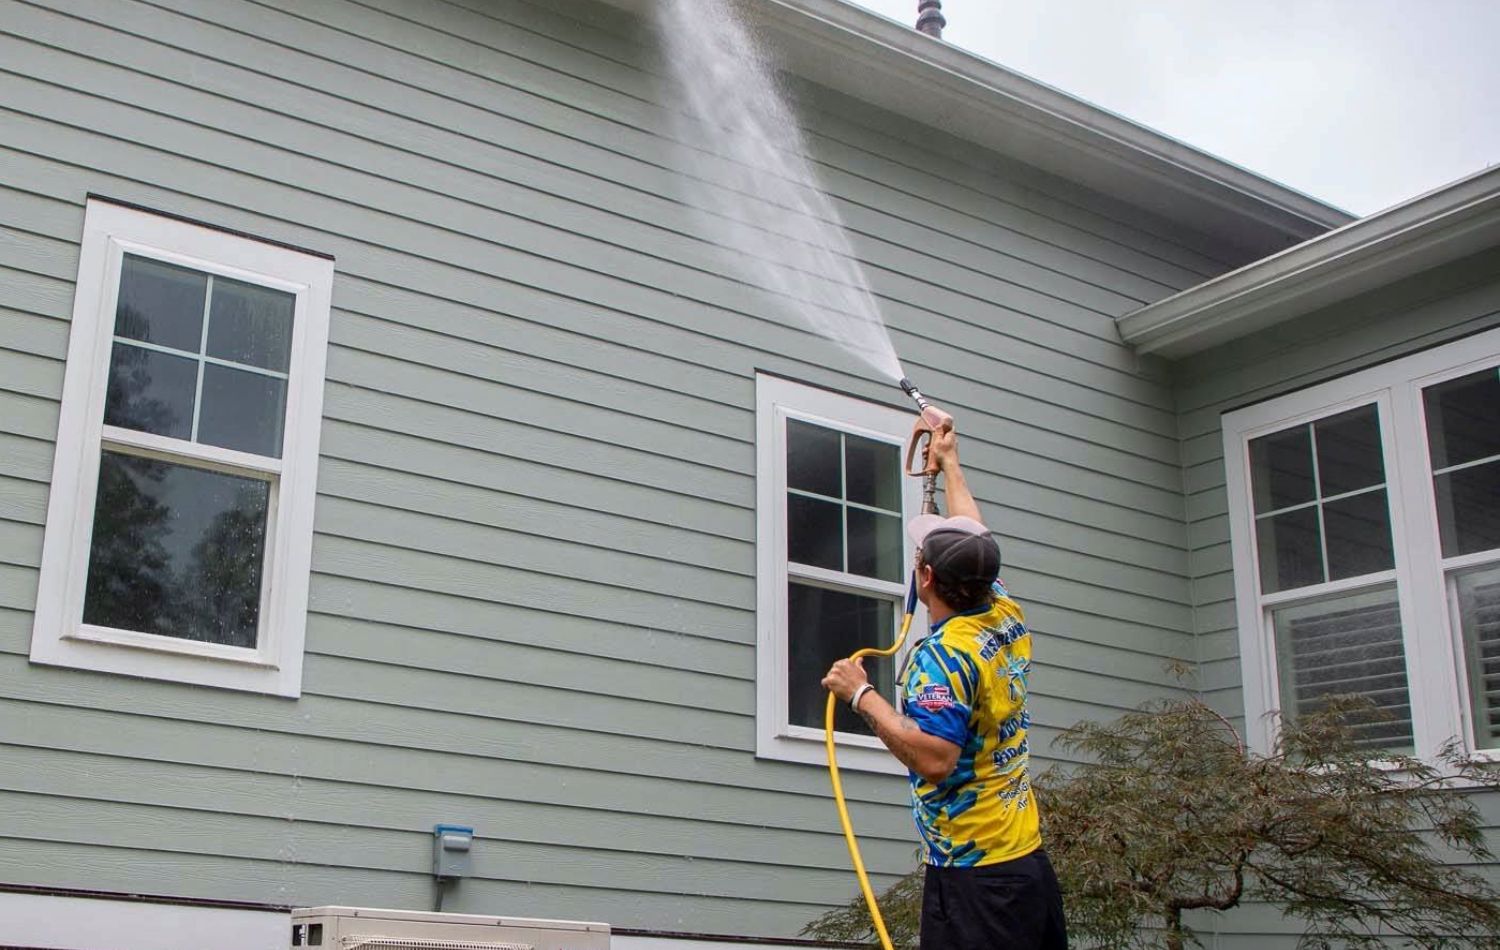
{"type": "Point", "coordinates": [1362, 103]}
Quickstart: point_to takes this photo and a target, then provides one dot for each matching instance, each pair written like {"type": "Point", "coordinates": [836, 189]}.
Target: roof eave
{"type": "Point", "coordinates": [907, 72]}
{"type": "Point", "coordinates": [1432, 229]}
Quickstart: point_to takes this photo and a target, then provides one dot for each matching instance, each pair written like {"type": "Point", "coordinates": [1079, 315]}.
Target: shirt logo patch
{"type": "Point", "coordinates": [933, 698]}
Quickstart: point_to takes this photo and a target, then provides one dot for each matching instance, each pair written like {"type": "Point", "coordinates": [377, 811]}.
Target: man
{"type": "Point", "coordinates": [962, 734]}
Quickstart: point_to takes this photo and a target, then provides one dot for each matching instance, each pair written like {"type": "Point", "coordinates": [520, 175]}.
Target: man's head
{"type": "Point", "coordinates": [957, 561]}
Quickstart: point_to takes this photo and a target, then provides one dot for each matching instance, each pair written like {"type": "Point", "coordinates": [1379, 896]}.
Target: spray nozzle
{"type": "Point", "coordinates": [910, 388]}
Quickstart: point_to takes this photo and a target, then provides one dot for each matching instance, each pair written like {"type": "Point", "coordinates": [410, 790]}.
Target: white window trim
{"type": "Point", "coordinates": [776, 400]}
{"type": "Point", "coordinates": [1435, 674]}
{"type": "Point", "coordinates": [59, 636]}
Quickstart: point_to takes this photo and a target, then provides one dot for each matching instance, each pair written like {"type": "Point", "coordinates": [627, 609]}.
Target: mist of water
{"type": "Point", "coordinates": [749, 174]}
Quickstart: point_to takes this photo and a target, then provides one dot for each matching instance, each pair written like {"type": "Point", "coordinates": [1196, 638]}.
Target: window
{"type": "Point", "coordinates": [832, 561]}
{"type": "Point", "coordinates": [1365, 525]}
{"type": "Point", "coordinates": [179, 526]}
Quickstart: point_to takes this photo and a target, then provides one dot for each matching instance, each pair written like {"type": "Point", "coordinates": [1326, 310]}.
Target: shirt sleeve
{"type": "Point", "coordinates": [938, 691]}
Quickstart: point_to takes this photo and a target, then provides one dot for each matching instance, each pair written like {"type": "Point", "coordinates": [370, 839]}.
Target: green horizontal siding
{"type": "Point", "coordinates": [533, 591]}
{"type": "Point", "coordinates": [1414, 314]}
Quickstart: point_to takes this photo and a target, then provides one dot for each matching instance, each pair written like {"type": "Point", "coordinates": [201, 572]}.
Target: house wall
{"type": "Point", "coordinates": [1424, 311]}
{"type": "Point", "coordinates": [532, 604]}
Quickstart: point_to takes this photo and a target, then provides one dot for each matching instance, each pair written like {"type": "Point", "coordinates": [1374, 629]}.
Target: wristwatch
{"type": "Point", "coordinates": [858, 695]}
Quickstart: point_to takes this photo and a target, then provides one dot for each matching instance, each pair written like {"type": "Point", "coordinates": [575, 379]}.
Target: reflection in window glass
{"type": "Point", "coordinates": [824, 626]}
{"type": "Point", "coordinates": [160, 303]}
{"type": "Point", "coordinates": [1321, 508]}
{"type": "Point", "coordinates": [1468, 508]}
{"type": "Point", "coordinates": [1357, 530]}
{"type": "Point", "coordinates": [1290, 552]}
{"type": "Point", "coordinates": [873, 472]}
{"type": "Point", "coordinates": [177, 551]}
{"type": "Point", "coordinates": [1463, 419]}
{"type": "Point", "coordinates": [875, 548]}
{"type": "Point", "coordinates": [1349, 456]}
{"type": "Point", "coordinates": [843, 514]}
{"type": "Point", "coordinates": [854, 523]}
{"type": "Point", "coordinates": [1463, 439]}
{"type": "Point", "coordinates": [251, 325]}
{"type": "Point", "coordinates": [150, 391]}
{"type": "Point", "coordinates": [814, 532]}
{"type": "Point", "coordinates": [182, 385]}
{"type": "Point", "coordinates": [1281, 469]}
{"type": "Point", "coordinates": [242, 410]}
{"type": "Point", "coordinates": [812, 459]}
{"type": "Point", "coordinates": [1347, 646]}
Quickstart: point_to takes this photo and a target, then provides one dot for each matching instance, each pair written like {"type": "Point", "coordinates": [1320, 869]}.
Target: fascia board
{"type": "Point", "coordinates": [1432, 229]}
{"type": "Point", "coordinates": [849, 49]}
{"type": "Point", "coordinates": [977, 83]}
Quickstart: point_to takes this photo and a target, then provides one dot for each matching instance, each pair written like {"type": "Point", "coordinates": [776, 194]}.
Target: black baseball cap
{"type": "Point", "coordinates": [958, 549]}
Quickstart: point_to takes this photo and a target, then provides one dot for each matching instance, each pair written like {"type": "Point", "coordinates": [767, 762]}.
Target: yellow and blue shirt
{"type": "Point", "coordinates": [966, 682]}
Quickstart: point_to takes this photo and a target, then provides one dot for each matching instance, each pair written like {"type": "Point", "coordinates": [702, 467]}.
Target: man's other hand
{"type": "Point", "coordinates": [844, 677]}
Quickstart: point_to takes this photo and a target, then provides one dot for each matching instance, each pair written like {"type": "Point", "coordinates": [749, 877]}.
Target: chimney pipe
{"type": "Point", "coordinates": [930, 19]}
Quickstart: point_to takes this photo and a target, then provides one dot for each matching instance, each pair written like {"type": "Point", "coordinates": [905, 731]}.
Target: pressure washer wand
{"type": "Point", "coordinates": [931, 421]}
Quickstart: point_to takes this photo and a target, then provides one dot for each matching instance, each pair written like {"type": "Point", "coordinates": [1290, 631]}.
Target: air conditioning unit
{"type": "Point", "coordinates": [367, 928]}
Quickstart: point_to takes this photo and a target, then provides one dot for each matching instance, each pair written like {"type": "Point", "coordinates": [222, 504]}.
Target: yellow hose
{"type": "Point", "coordinates": [838, 787]}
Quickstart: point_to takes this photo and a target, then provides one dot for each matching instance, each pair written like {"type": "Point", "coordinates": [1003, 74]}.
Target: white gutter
{"type": "Point", "coordinates": [848, 48]}
{"type": "Point", "coordinates": [1432, 229]}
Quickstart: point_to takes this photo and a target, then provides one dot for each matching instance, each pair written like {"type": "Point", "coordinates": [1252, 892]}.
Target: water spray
{"type": "Point", "coordinates": [930, 422]}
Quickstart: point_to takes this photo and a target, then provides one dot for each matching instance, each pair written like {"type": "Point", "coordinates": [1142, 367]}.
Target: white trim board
{"type": "Point", "coordinates": [59, 635]}
{"type": "Point", "coordinates": [1434, 665]}
{"type": "Point", "coordinates": [776, 399]}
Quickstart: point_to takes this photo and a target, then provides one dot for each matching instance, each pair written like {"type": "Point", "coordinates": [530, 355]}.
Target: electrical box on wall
{"type": "Point", "coordinates": [368, 928]}
{"type": "Point", "coordinates": [452, 851]}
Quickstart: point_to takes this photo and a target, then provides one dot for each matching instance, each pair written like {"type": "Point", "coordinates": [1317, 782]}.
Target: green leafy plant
{"type": "Point", "coordinates": [1172, 815]}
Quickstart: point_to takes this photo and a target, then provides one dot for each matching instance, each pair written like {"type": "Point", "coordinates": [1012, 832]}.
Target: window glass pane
{"type": "Point", "coordinates": [1281, 469]}
{"type": "Point", "coordinates": [1463, 418]}
{"type": "Point", "coordinates": [875, 547]}
{"type": "Point", "coordinates": [251, 324]}
{"type": "Point", "coordinates": [1358, 529]}
{"type": "Point", "coordinates": [150, 391]}
{"type": "Point", "coordinates": [242, 410]}
{"type": "Point", "coordinates": [1468, 506]}
{"type": "Point", "coordinates": [872, 471]}
{"type": "Point", "coordinates": [1290, 555]}
{"type": "Point", "coordinates": [176, 551]}
{"type": "Point", "coordinates": [824, 626]}
{"type": "Point", "coordinates": [1349, 456]}
{"type": "Point", "coordinates": [812, 459]}
{"type": "Point", "coordinates": [160, 303]}
{"type": "Point", "coordinates": [814, 532]}
{"type": "Point", "coordinates": [1346, 646]}
{"type": "Point", "coordinates": [1479, 618]}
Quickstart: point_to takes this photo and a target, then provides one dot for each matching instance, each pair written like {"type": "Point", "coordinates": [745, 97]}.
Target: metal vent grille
{"type": "Point", "coordinates": [359, 942]}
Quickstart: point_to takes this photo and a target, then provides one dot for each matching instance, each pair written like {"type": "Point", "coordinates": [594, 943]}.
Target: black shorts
{"type": "Point", "coordinates": [1015, 905]}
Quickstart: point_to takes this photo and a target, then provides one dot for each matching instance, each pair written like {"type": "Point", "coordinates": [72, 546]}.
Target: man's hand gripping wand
{"type": "Point", "coordinates": [931, 421]}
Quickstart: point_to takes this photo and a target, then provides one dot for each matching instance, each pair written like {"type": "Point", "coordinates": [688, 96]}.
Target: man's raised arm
{"type": "Point", "coordinates": [955, 488]}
